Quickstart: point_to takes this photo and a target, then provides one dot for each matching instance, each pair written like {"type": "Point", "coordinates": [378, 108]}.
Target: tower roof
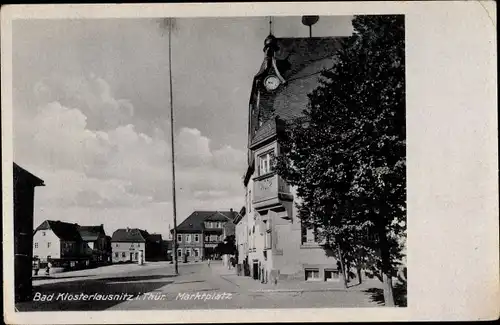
{"type": "Point", "coordinates": [299, 61]}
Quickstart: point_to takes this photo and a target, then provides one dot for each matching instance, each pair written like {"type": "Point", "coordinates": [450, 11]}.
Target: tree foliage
{"type": "Point", "coordinates": [347, 154]}
{"type": "Point", "coordinates": [227, 247]}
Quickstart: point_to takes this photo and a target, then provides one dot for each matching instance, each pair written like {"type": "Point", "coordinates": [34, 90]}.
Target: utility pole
{"type": "Point", "coordinates": [174, 251]}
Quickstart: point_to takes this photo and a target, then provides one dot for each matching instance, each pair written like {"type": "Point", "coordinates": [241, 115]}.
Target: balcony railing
{"type": "Point", "coordinates": [269, 190]}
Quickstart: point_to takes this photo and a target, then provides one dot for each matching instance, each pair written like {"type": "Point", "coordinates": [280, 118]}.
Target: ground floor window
{"type": "Point", "coordinates": [312, 274]}
{"type": "Point", "coordinates": [179, 252]}
{"type": "Point", "coordinates": [331, 275]}
{"type": "Point", "coordinates": [188, 252]}
{"type": "Point", "coordinates": [123, 254]}
{"type": "Point", "coordinates": [116, 255]}
{"type": "Point", "coordinates": [136, 256]}
{"type": "Point", "coordinates": [196, 252]}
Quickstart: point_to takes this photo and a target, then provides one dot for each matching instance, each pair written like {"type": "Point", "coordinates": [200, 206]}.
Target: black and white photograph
{"type": "Point", "coordinates": [210, 163]}
{"type": "Point", "coordinates": [289, 156]}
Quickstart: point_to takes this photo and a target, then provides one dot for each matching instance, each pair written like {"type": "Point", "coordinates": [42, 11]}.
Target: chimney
{"type": "Point", "coordinates": [231, 210]}
{"type": "Point", "coordinates": [128, 229]}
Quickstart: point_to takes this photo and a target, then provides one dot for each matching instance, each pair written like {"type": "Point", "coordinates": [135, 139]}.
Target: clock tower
{"type": "Point", "coordinates": [270, 77]}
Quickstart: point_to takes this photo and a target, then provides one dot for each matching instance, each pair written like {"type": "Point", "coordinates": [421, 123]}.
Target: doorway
{"type": "Point", "coordinates": [131, 257]}
{"type": "Point", "coordinates": [255, 270]}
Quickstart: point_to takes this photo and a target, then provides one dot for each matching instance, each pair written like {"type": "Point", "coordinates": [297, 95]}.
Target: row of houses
{"type": "Point", "coordinates": [70, 245]}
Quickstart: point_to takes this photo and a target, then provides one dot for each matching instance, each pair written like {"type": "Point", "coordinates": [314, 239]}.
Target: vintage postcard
{"type": "Point", "coordinates": [252, 162]}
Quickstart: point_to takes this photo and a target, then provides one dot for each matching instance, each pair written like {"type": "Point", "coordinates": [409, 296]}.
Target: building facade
{"type": "Point", "coordinates": [24, 197]}
{"type": "Point", "coordinates": [271, 236]}
{"type": "Point", "coordinates": [61, 244]}
{"type": "Point", "coordinates": [128, 245]}
{"type": "Point", "coordinates": [200, 233]}
{"type": "Point", "coordinates": [97, 244]}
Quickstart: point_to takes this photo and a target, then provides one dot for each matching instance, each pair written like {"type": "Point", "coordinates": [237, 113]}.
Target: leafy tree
{"type": "Point", "coordinates": [227, 247]}
{"type": "Point", "coordinates": [347, 156]}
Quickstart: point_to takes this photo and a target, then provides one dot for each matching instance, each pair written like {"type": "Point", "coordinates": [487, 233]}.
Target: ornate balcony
{"type": "Point", "coordinates": [270, 193]}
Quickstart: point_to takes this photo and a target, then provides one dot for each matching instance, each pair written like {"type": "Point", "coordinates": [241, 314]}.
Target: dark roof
{"type": "Point", "coordinates": [63, 230]}
{"type": "Point", "coordinates": [21, 175]}
{"type": "Point", "coordinates": [133, 235]}
{"type": "Point", "coordinates": [195, 222]}
{"type": "Point", "coordinates": [299, 61]}
{"type": "Point", "coordinates": [91, 233]}
{"type": "Point", "coordinates": [154, 237]}
{"type": "Point", "coordinates": [267, 129]}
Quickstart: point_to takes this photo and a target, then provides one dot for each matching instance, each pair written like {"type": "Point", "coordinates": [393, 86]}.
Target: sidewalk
{"type": "Point", "coordinates": [249, 284]}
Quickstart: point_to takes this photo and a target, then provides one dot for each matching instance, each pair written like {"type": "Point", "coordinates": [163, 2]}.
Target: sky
{"type": "Point", "coordinates": [92, 117]}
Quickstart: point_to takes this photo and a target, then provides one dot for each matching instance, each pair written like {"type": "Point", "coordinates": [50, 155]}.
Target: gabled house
{"type": "Point", "coordinates": [24, 198]}
{"type": "Point", "coordinates": [200, 233]}
{"type": "Point", "coordinates": [95, 239]}
{"type": "Point", "coordinates": [60, 243]}
{"type": "Point", "coordinates": [129, 245]}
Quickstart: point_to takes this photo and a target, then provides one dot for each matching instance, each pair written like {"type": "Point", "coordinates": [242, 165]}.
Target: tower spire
{"type": "Point", "coordinates": [270, 25]}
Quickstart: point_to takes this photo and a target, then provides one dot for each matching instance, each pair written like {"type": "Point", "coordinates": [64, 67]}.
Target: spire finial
{"type": "Point", "coordinates": [270, 25]}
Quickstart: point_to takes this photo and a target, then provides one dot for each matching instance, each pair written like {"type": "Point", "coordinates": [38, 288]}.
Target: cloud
{"type": "Point", "coordinates": [92, 95]}
{"type": "Point", "coordinates": [117, 168]}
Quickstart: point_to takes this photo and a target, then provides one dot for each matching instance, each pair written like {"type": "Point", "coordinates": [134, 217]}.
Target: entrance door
{"type": "Point", "coordinates": [131, 256]}
{"type": "Point", "coordinates": [255, 270]}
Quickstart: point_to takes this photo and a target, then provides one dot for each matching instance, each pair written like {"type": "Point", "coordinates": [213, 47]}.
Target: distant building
{"type": "Point", "coordinates": [108, 248]}
{"type": "Point", "coordinates": [200, 233]}
{"type": "Point", "coordinates": [167, 247]}
{"type": "Point", "coordinates": [128, 245]}
{"type": "Point", "coordinates": [154, 247]}
{"type": "Point", "coordinates": [24, 197]}
{"type": "Point", "coordinates": [61, 244]}
{"type": "Point", "coordinates": [95, 238]}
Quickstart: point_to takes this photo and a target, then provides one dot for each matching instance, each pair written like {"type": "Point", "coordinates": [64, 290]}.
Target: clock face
{"type": "Point", "coordinates": [271, 82]}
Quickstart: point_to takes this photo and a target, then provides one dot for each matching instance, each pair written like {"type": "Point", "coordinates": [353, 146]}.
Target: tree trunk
{"type": "Point", "coordinates": [386, 268]}
{"type": "Point", "coordinates": [388, 294]}
{"type": "Point", "coordinates": [342, 266]}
